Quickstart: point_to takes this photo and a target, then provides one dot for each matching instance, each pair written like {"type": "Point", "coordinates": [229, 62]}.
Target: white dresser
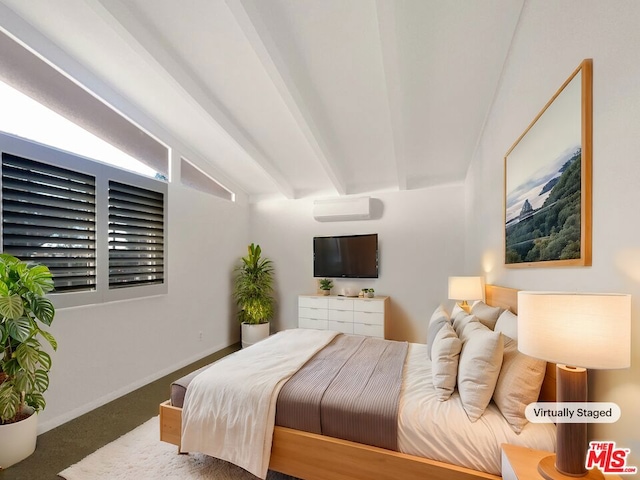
{"type": "Point", "coordinates": [360, 316]}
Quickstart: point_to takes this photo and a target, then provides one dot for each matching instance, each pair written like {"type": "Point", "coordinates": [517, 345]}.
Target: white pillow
{"type": "Point", "coordinates": [434, 328]}
{"type": "Point", "coordinates": [456, 310]}
{"type": "Point", "coordinates": [486, 314]}
{"type": "Point", "coordinates": [461, 320]}
{"type": "Point", "coordinates": [518, 384]}
{"type": "Point", "coordinates": [507, 324]}
{"type": "Point", "coordinates": [444, 363]}
{"type": "Point", "coordinates": [478, 367]}
{"type": "Point", "coordinates": [438, 313]}
{"type": "Point", "coordinates": [438, 318]}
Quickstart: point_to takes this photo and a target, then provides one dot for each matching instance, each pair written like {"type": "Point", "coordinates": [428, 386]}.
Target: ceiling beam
{"type": "Point", "coordinates": [147, 44]}
{"type": "Point", "coordinates": [387, 28]}
{"type": "Point", "coordinates": [267, 51]}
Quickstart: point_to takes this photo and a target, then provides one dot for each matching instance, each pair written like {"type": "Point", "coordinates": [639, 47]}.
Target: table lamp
{"type": "Point", "coordinates": [465, 288]}
{"type": "Point", "coordinates": [576, 331]}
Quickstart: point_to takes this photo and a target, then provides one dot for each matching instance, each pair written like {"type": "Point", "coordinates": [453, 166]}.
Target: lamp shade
{"type": "Point", "coordinates": [589, 330]}
{"type": "Point", "coordinates": [465, 288]}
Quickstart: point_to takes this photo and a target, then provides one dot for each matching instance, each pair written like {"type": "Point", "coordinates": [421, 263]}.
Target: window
{"type": "Point", "coordinates": [101, 230]}
{"type": "Point", "coordinates": [49, 215]}
{"type": "Point", "coordinates": [136, 236]}
{"type": "Point", "coordinates": [71, 111]}
{"type": "Point", "coordinates": [193, 177]}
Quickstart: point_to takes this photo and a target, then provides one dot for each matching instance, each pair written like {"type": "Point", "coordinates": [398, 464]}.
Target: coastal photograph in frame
{"type": "Point", "coordinates": [547, 214]}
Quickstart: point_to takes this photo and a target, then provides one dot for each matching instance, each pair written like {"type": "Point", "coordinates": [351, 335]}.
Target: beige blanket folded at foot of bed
{"type": "Point", "coordinates": [229, 409]}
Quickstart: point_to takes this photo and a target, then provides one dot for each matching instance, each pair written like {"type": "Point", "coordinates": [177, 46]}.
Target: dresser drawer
{"type": "Point", "coordinates": [368, 330]}
{"type": "Point", "coordinates": [312, 323]}
{"type": "Point", "coordinates": [313, 302]}
{"type": "Point", "coordinates": [339, 326]}
{"type": "Point", "coordinates": [370, 318]}
{"type": "Point", "coordinates": [369, 305]}
{"type": "Point", "coordinates": [341, 315]}
{"type": "Point", "coordinates": [311, 312]}
{"type": "Point", "coordinates": [341, 303]}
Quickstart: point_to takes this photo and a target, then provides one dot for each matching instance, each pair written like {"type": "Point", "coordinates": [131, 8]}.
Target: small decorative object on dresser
{"type": "Point", "coordinates": [326, 285]}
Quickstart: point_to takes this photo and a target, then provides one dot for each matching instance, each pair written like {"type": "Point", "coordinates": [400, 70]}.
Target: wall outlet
{"type": "Point", "coordinates": [200, 336]}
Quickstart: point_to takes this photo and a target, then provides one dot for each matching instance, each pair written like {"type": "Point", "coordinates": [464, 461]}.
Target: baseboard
{"type": "Point", "coordinates": [81, 410]}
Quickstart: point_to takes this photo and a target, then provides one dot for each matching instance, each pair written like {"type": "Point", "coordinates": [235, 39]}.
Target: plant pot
{"type": "Point", "coordinates": [253, 333]}
{"type": "Point", "coordinates": [326, 292]}
{"type": "Point", "coordinates": [370, 295]}
{"type": "Point", "coordinates": [18, 440]}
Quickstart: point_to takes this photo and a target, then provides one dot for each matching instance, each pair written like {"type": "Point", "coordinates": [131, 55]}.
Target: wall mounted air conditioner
{"type": "Point", "coordinates": [341, 209]}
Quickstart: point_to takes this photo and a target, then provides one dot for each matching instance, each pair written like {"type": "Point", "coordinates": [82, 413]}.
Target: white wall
{"type": "Point", "coordinates": [420, 236]}
{"type": "Point", "coordinates": [111, 349]}
{"type": "Point", "coordinates": [551, 40]}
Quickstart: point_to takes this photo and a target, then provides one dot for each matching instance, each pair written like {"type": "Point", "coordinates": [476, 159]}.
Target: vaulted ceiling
{"type": "Point", "coordinates": [298, 98]}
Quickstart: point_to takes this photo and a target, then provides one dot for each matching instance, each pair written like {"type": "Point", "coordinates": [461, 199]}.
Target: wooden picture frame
{"type": "Point", "coordinates": [547, 182]}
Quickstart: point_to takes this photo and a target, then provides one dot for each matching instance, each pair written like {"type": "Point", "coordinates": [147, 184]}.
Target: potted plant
{"type": "Point", "coordinates": [371, 292]}
{"type": "Point", "coordinates": [253, 293]}
{"type": "Point", "coordinates": [326, 285]}
{"type": "Point", "coordinates": [24, 364]}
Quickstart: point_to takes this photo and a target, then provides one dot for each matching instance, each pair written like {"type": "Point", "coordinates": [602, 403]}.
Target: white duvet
{"type": "Point", "coordinates": [442, 431]}
{"type": "Point", "coordinates": [229, 409]}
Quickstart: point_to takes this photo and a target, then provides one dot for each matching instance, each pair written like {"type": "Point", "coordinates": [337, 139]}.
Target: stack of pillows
{"type": "Point", "coordinates": [478, 354]}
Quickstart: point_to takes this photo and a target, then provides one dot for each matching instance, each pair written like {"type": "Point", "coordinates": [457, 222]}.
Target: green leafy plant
{"type": "Point", "coordinates": [254, 287]}
{"type": "Point", "coordinates": [24, 365]}
{"type": "Point", "coordinates": [326, 284]}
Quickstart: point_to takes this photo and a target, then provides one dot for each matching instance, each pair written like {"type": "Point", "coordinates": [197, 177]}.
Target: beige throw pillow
{"type": "Point", "coordinates": [479, 367]}
{"type": "Point", "coordinates": [461, 321]}
{"type": "Point", "coordinates": [518, 384]}
{"type": "Point", "coordinates": [444, 363]}
{"type": "Point", "coordinates": [486, 314]}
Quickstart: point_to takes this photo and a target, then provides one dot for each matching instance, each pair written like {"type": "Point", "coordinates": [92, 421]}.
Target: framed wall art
{"type": "Point", "coordinates": [547, 213]}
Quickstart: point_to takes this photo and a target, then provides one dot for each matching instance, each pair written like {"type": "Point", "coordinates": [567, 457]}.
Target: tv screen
{"type": "Point", "coordinates": [347, 256]}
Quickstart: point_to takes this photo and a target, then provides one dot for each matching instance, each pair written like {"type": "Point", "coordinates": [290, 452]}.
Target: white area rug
{"type": "Point", "coordinates": [140, 455]}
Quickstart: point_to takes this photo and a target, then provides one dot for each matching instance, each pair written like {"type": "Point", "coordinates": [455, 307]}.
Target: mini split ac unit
{"type": "Point", "coordinates": [341, 209]}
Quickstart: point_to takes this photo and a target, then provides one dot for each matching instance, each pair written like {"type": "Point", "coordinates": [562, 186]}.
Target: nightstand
{"type": "Point", "coordinates": [520, 463]}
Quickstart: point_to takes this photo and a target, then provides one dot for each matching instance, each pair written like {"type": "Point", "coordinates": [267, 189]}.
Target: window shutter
{"type": "Point", "coordinates": [136, 236]}
{"type": "Point", "coordinates": [49, 216]}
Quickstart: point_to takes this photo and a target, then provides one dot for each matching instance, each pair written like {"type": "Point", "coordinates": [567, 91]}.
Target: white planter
{"type": "Point", "coordinates": [254, 333]}
{"type": "Point", "coordinates": [18, 441]}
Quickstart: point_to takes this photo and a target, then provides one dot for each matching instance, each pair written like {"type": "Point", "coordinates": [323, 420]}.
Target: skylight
{"type": "Point", "coordinates": [22, 116]}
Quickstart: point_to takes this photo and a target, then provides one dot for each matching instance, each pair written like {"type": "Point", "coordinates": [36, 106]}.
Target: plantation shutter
{"type": "Point", "coordinates": [136, 236]}
{"type": "Point", "coordinates": [49, 216]}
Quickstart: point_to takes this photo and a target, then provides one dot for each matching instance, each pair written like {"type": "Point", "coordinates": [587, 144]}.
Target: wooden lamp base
{"type": "Point", "coordinates": [547, 468]}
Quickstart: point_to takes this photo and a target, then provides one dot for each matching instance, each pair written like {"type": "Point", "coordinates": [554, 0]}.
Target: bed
{"type": "Point", "coordinates": [304, 455]}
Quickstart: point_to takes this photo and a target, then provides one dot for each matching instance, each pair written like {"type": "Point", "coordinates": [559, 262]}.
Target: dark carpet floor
{"type": "Point", "coordinates": [67, 444]}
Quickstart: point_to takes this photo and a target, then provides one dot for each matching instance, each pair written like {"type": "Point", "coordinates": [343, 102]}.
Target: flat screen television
{"type": "Point", "coordinates": [346, 256]}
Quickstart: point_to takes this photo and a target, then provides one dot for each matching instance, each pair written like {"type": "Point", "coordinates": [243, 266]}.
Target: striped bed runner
{"type": "Point", "coordinates": [349, 390]}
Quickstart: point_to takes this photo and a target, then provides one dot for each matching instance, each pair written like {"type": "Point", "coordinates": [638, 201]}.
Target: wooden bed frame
{"type": "Point", "coordinates": [318, 457]}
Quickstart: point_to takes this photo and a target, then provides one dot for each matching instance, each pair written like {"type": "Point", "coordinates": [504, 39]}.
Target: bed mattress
{"type": "Point", "coordinates": [439, 430]}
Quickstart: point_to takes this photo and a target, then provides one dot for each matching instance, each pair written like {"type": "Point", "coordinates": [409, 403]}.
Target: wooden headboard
{"type": "Point", "coordinates": [508, 298]}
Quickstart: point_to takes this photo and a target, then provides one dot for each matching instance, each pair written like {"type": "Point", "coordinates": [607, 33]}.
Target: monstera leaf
{"type": "Point", "coordinates": [24, 313]}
